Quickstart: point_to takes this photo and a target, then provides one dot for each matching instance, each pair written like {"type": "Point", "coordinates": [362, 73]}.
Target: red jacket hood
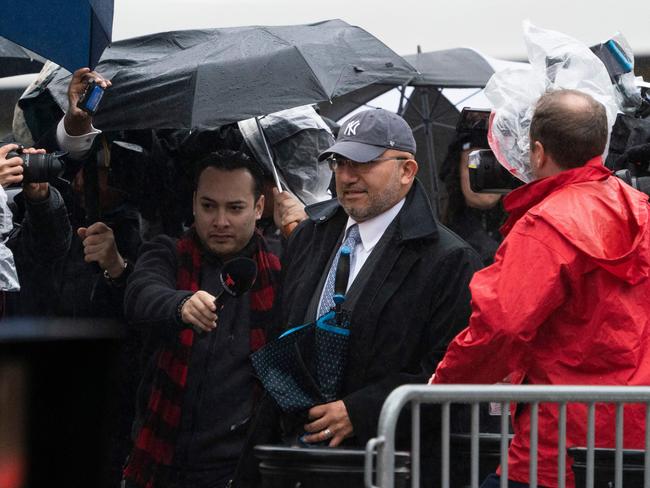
{"type": "Point", "coordinates": [620, 244]}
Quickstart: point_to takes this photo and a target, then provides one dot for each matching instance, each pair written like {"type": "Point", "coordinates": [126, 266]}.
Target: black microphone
{"type": "Point", "coordinates": [237, 277]}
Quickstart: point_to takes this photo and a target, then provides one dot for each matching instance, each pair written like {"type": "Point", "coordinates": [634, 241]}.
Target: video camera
{"type": "Point", "coordinates": [635, 164]}
{"type": "Point", "coordinates": [39, 168]}
{"type": "Point", "coordinates": [629, 148]}
{"type": "Point", "coordinates": [486, 175]}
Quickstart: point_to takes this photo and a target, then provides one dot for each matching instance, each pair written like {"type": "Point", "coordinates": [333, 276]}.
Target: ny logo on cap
{"type": "Point", "coordinates": [351, 128]}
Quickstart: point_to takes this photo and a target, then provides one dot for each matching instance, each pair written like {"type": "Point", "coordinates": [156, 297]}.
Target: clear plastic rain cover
{"type": "Point", "coordinates": [8, 274]}
{"type": "Point", "coordinates": [557, 62]}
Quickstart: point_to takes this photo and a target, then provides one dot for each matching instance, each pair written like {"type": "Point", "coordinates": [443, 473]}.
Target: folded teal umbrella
{"type": "Point", "coordinates": [305, 365]}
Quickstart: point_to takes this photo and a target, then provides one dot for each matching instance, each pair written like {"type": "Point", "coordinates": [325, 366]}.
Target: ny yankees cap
{"type": "Point", "coordinates": [364, 136]}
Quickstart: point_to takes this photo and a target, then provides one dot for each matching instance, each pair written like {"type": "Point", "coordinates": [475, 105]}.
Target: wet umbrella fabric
{"type": "Point", "coordinates": [207, 78]}
{"type": "Point", "coordinates": [16, 60]}
{"type": "Point", "coordinates": [72, 34]}
{"type": "Point", "coordinates": [295, 137]}
{"type": "Point", "coordinates": [430, 114]}
{"type": "Point", "coordinates": [447, 68]}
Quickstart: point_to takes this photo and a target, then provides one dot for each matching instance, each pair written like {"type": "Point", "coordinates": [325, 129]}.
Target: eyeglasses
{"type": "Point", "coordinates": [337, 162]}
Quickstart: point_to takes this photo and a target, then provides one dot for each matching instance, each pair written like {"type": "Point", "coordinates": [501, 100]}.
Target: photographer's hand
{"type": "Point", "coordinates": [99, 246]}
{"type": "Point", "coordinates": [35, 192]}
{"type": "Point", "coordinates": [11, 170]}
{"type": "Point", "coordinates": [76, 121]}
{"type": "Point", "coordinates": [481, 201]}
{"type": "Point", "coordinates": [288, 212]}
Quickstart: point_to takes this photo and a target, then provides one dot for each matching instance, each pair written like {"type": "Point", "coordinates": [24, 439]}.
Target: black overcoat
{"type": "Point", "coordinates": [415, 301]}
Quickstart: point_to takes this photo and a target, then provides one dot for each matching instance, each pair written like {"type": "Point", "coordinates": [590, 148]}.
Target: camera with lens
{"type": "Point", "coordinates": [40, 168]}
{"type": "Point", "coordinates": [487, 175]}
{"type": "Point", "coordinates": [633, 167]}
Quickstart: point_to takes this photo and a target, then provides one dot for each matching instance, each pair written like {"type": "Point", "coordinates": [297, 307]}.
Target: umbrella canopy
{"type": "Point", "coordinates": [430, 114]}
{"type": "Point", "coordinates": [72, 34]}
{"type": "Point", "coordinates": [207, 78]}
{"type": "Point", "coordinates": [447, 68]}
{"type": "Point", "coordinates": [433, 119]}
{"type": "Point", "coordinates": [296, 137]}
{"type": "Point", "coordinates": [16, 60]}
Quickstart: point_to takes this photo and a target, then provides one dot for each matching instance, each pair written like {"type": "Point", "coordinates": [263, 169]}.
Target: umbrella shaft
{"type": "Point", "coordinates": [276, 177]}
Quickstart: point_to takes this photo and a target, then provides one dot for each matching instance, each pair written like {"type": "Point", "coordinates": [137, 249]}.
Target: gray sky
{"type": "Point", "coordinates": [491, 26]}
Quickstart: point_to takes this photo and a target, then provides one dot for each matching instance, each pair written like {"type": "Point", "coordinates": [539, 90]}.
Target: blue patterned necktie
{"type": "Point", "coordinates": [353, 238]}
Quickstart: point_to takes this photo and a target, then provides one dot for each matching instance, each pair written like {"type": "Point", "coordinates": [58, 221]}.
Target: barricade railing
{"type": "Point", "coordinates": [446, 395]}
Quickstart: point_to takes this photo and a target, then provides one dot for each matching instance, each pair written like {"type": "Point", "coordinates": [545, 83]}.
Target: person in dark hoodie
{"type": "Point", "coordinates": [565, 301]}
{"type": "Point", "coordinates": [475, 217]}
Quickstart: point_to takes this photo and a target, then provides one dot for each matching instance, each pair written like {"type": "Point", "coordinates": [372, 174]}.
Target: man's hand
{"type": "Point", "coordinates": [35, 192]}
{"type": "Point", "coordinates": [99, 246]}
{"type": "Point", "coordinates": [76, 121]}
{"type": "Point", "coordinates": [330, 421]}
{"type": "Point", "coordinates": [11, 170]}
{"type": "Point", "coordinates": [481, 201]}
{"type": "Point", "coordinates": [288, 212]}
{"type": "Point", "coordinates": [200, 311]}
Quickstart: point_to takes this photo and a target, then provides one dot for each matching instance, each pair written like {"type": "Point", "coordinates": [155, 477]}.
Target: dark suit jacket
{"type": "Point", "coordinates": [416, 300]}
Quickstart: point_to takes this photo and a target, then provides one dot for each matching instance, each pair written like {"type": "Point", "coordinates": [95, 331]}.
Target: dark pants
{"type": "Point", "coordinates": [171, 478]}
{"type": "Point", "coordinates": [494, 481]}
{"type": "Point", "coordinates": [129, 484]}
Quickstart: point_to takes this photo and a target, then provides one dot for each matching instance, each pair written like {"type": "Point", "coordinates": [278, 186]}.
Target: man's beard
{"type": "Point", "coordinates": [378, 203]}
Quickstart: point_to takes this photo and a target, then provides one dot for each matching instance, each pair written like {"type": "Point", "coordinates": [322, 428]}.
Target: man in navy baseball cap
{"type": "Point", "coordinates": [366, 135]}
{"type": "Point", "coordinates": [408, 282]}
{"type": "Point", "coordinates": [373, 163]}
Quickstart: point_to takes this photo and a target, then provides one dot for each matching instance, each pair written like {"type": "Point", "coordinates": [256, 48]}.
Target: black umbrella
{"type": "Point", "coordinates": [16, 60]}
{"type": "Point", "coordinates": [447, 68]}
{"type": "Point", "coordinates": [294, 139]}
{"type": "Point", "coordinates": [208, 78]}
{"type": "Point", "coordinates": [431, 115]}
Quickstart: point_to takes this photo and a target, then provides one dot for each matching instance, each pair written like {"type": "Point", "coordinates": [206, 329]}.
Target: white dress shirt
{"type": "Point", "coordinates": [75, 146]}
{"type": "Point", "coordinates": [370, 232]}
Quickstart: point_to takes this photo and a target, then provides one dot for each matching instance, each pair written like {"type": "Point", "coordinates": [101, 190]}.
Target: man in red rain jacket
{"type": "Point", "coordinates": [567, 300]}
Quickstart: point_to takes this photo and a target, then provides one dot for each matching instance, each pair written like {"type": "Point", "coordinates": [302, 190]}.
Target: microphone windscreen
{"type": "Point", "coordinates": [238, 275]}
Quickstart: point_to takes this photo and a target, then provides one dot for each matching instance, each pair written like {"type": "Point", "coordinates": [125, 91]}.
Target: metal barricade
{"type": "Point", "coordinates": [445, 395]}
